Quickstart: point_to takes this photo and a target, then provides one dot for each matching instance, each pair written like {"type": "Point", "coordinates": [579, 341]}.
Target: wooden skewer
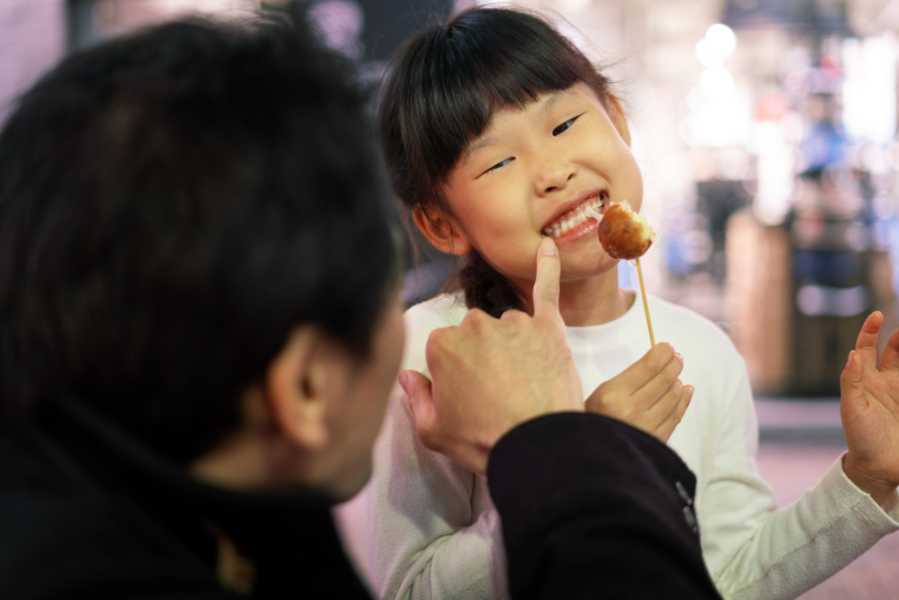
{"type": "Point", "coordinates": [652, 336]}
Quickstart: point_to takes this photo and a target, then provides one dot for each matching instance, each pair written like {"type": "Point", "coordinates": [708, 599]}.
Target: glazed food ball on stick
{"type": "Point", "coordinates": [626, 234]}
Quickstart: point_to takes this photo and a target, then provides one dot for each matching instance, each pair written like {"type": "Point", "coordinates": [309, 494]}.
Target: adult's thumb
{"type": "Point", "coordinates": [418, 400]}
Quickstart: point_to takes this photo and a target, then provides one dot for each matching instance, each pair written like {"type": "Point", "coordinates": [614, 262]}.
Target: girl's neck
{"type": "Point", "coordinates": [586, 303]}
{"type": "Point", "coordinates": [591, 301]}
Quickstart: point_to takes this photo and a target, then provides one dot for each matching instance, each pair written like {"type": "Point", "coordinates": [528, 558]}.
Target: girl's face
{"type": "Point", "coordinates": [532, 173]}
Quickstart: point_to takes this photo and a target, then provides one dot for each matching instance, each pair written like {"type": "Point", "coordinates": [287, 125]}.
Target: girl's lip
{"type": "Point", "coordinates": [587, 227]}
{"type": "Point", "coordinates": [602, 195]}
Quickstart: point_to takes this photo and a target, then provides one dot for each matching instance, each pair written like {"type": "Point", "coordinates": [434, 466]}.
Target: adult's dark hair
{"type": "Point", "coordinates": [445, 85]}
{"type": "Point", "coordinates": [172, 204]}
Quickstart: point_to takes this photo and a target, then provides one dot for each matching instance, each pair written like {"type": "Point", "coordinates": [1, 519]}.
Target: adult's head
{"type": "Point", "coordinates": [196, 242]}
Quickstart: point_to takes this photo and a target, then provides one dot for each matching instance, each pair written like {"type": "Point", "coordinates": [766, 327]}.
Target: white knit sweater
{"type": "Point", "coordinates": [426, 529]}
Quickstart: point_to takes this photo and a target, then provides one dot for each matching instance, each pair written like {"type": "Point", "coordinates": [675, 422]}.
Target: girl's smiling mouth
{"type": "Point", "coordinates": [579, 220]}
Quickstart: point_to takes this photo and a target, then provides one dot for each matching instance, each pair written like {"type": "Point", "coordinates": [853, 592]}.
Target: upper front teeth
{"type": "Point", "coordinates": [574, 218]}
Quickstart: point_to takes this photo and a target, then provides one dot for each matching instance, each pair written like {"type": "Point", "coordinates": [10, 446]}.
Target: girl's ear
{"type": "Point", "coordinates": [616, 113]}
{"type": "Point", "coordinates": [441, 230]}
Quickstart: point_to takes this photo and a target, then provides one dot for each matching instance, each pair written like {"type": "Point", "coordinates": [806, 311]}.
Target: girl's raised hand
{"type": "Point", "coordinates": [869, 408]}
{"type": "Point", "coordinates": [647, 395]}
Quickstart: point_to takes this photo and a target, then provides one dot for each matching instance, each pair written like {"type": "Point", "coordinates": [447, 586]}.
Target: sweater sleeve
{"type": "Point", "coordinates": [758, 553]}
{"type": "Point", "coordinates": [413, 531]}
{"type": "Point", "coordinates": [593, 508]}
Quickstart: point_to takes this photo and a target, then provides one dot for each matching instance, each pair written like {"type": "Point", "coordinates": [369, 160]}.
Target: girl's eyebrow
{"type": "Point", "coordinates": [547, 104]}
{"type": "Point", "coordinates": [477, 145]}
{"type": "Point", "coordinates": [553, 98]}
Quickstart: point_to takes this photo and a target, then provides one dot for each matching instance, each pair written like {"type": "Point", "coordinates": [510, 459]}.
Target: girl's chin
{"type": "Point", "coordinates": [575, 267]}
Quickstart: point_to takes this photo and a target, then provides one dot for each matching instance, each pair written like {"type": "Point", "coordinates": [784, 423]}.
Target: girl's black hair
{"type": "Point", "coordinates": [444, 87]}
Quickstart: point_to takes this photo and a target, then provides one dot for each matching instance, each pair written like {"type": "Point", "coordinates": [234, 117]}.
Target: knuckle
{"type": "Point", "coordinates": [513, 315]}
{"type": "Point", "coordinates": [436, 344]}
{"type": "Point", "coordinates": [475, 319]}
{"type": "Point", "coordinates": [603, 392]}
{"type": "Point", "coordinates": [431, 352]}
{"type": "Point", "coordinates": [593, 403]}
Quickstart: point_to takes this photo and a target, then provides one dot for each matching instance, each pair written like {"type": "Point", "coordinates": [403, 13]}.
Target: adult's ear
{"type": "Point", "coordinates": [616, 114]}
{"type": "Point", "coordinates": [441, 230]}
{"type": "Point", "coordinates": [304, 379]}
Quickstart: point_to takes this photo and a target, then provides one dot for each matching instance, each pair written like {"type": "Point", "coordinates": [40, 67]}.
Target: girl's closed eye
{"type": "Point", "coordinates": [566, 125]}
{"type": "Point", "coordinates": [498, 165]}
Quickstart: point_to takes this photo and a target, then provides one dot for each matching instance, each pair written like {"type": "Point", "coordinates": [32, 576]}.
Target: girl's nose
{"type": "Point", "coordinates": [553, 177]}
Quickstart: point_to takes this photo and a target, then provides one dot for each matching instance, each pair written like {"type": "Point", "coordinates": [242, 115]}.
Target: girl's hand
{"type": "Point", "coordinates": [647, 395]}
{"type": "Point", "coordinates": [869, 408]}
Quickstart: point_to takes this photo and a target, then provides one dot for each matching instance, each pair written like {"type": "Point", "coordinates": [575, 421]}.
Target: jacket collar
{"type": "Point", "coordinates": [283, 532]}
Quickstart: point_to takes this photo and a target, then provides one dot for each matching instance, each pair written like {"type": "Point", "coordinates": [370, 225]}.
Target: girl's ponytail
{"type": "Point", "coordinates": [485, 288]}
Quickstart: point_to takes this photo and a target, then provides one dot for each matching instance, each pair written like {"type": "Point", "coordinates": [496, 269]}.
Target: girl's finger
{"type": "Point", "coordinates": [659, 384]}
{"type": "Point", "coordinates": [677, 414]}
{"type": "Point", "coordinates": [654, 362]}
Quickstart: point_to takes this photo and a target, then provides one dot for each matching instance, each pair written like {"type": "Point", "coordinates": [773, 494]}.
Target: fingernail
{"type": "Point", "coordinates": [548, 248]}
{"type": "Point", "coordinates": [849, 359]}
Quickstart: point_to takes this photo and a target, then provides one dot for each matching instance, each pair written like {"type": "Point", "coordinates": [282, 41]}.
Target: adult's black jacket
{"type": "Point", "coordinates": [591, 509]}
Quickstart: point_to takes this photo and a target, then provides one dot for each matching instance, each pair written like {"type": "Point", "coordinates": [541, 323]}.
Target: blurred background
{"type": "Point", "coordinates": [766, 131]}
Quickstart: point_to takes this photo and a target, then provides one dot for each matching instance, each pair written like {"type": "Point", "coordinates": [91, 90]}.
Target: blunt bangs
{"type": "Point", "coordinates": [453, 78]}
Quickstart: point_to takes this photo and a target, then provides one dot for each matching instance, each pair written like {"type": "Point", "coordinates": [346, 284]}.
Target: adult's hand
{"type": "Point", "coordinates": [647, 395]}
{"type": "Point", "coordinates": [489, 375]}
{"type": "Point", "coordinates": [869, 408]}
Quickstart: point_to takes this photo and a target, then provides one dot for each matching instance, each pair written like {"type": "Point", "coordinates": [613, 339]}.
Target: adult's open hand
{"type": "Point", "coordinates": [489, 375]}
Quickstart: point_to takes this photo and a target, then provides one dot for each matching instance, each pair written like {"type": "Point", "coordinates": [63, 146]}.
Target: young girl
{"type": "Point", "coordinates": [497, 132]}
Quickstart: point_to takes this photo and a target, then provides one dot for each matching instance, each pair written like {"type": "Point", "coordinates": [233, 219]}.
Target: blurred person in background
{"type": "Point", "coordinates": [200, 323]}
